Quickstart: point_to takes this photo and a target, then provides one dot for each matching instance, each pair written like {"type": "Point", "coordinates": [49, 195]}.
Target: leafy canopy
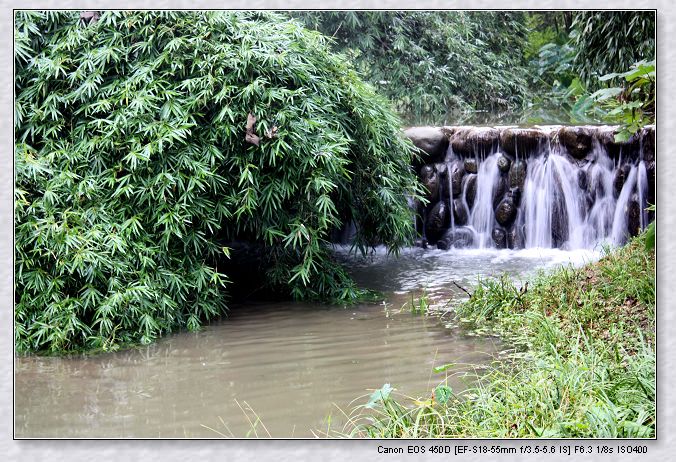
{"type": "Point", "coordinates": [133, 171]}
{"type": "Point", "coordinates": [434, 62]}
{"type": "Point", "coordinates": [611, 41]}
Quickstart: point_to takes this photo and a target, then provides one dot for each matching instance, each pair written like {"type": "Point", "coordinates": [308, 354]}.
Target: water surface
{"type": "Point", "coordinates": [292, 364]}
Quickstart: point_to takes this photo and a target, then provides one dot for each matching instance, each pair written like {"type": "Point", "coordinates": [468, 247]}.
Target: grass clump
{"type": "Point", "coordinates": [586, 365]}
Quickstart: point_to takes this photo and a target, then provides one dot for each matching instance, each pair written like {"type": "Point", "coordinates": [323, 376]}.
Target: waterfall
{"type": "Point", "coordinates": [600, 180]}
{"type": "Point", "coordinates": [570, 187]}
{"type": "Point", "coordinates": [642, 186]}
{"type": "Point", "coordinates": [482, 216]}
{"type": "Point", "coordinates": [553, 204]}
{"type": "Point", "coordinates": [619, 232]}
{"type": "Point", "coordinates": [450, 196]}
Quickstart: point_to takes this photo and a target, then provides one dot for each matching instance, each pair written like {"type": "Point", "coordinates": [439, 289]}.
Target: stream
{"type": "Point", "coordinates": [282, 369]}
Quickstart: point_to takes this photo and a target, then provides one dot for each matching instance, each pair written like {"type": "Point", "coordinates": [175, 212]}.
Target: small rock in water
{"type": "Point", "coordinates": [506, 212]}
{"type": "Point", "coordinates": [504, 163]}
{"type": "Point", "coordinates": [499, 238]}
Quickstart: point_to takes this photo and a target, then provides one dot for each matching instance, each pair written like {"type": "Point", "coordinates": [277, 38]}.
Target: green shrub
{"type": "Point", "coordinates": [134, 168]}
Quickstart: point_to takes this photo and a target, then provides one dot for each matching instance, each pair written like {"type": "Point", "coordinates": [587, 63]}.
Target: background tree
{"type": "Point", "coordinates": [434, 62]}
{"type": "Point", "coordinates": [607, 42]}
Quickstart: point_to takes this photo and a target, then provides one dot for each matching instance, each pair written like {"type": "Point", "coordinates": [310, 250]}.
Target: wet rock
{"type": "Point", "coordinates": [471, 166]}
{"type": "Point", "coordinates": [431, 140]}
{"type": "Point", "coordinates": [499, 192]}
{"type": "Point", "coordinates": [633, 216]}
{"type": "Point", "coordinates": [460, 144]}
{"type": "Point", "coordinates": [596, 185]}
{"type": "Point", "coordinates": [582, 179]}
{"type": "Point", "coordinates": [648, 142]}
{"type": "Point", "coordinates": [444, 188]}
{"type": "Point", "coordinates": [504, 163]}
{"type": "Point", "coordinates": [515, 195]}
{"type": "Point", "coordinates": [457, 170]}
{"type": "Point", "coordinates": [484, 139]}
{"type": "Point", "coordinates": [460, 237]}
{"type": "Point", "coordinates": [437, 220]}
{"type": "Point", "coordinates": [521, 142]}
{"type": "Point", "coordinates": [576, 140]}
{"type": "Point", "coordinates": [517, 174]}
{"type": "Point", "coordinates": [441, 168]}
{"type": "Point", "coordinates": [471, 141]}
{"type": "Point", "coordinates": [616, 150]}
{"type": "Point", "coordinates": [470, 190]}
{"type": "Point", "coordinates": [499, 238]}
{"type": "Point", "coordinates": [429, 177]}
{"type": "Point", "coordinates": [620, 177]}
{"type": "Point", "coordinates": [516, 237]}
{"type": "Point", "coordinates": [559, 221]}
{"type": "Point", "coordinates": [460, 213]}
{"type": "Point", "coordinates": [650, 170]}
{"type": "Point", "coordinates": [506, 212]}
{"type": "Point", "coordinates": [589, 200]}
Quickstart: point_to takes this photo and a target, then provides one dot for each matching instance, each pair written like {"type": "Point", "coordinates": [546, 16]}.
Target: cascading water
{"type": "Point", "coordinates": [565, 187]}
{"type": "Point", "coordinates": [642, 186]}
{"type": "Point", "coordinates": [619, 233]}
{"type": "Point", "coordinates": [553, 204]}
{"type": "Point", "coordinates": [482, 217]}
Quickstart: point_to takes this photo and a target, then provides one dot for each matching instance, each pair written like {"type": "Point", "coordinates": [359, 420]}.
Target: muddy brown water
{"type": "Point", "coordinates": [293, 366]}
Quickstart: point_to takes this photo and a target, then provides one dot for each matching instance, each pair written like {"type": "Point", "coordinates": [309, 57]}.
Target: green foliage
{"type": "Point", "coordinates": [632, 103]}
{"type": "Point", "coordinates": [611, 41]}
{"type": "Point", "coordinates": [434, 62]}
{"type": "Point", "coordinates": [133, 172]}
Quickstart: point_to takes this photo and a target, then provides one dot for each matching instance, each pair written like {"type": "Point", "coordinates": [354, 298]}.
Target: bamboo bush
{"type": "Point", "coordinates": [146, 141]}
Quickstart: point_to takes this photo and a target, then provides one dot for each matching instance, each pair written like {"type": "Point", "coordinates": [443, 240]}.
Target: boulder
{"type": "Point", "coordinates": [437, 220]}
{"type": "Point", "coordinates": [516, 237]}
{"type": "Point", "coordinates": [620, 177]}
{"type": "Point", "coordinates": [633, 216]}
{"type": "Point", "coordinates": [457, 171]}
{"type": "Point", "coordinates": [460, 213]}
{"type": "Point", "coordinates": [650, 170]}
{"type": "Point", "coordinates": [576, 140]}
{"type": "Point", "coordinates": [429, 177]}
{"type": "Point", "coordinates": [460, 237]}
{"type": "Point", "coordinates": [648, 138]}
{"type": "Point", "coordinates": [471, 166]}
{"type": "Point", "coordinates": [521, 142]}
{"type": "Point", "coordinates": [470, 189]}
{"type": "Point", "coordinates": [499, 238]}
{"type": "Point", "coordinates": [472, 141]}
{"type": "Point", "coordinates": [431, 140]}
{"type": "Point", "coordinates": [515, 195]}
{"type": "Point", "coordinates": [616, 150]}
{"type": "Point", "coordinates": [500, 190]}
{"type": "Point", "coordinates": [505, 212]}
{"type": "Point", "coordinates": [517, 174]}
{"type": "Point", "coordinates": [559, 222]}
{"type": "Point", "coordinates": [504, 163]}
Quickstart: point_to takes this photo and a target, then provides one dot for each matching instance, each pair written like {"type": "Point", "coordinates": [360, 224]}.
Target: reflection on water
{"type": "Point", "coordinates": [292, 363]}
{"type": "Point", "coordinates": [288, 362]}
